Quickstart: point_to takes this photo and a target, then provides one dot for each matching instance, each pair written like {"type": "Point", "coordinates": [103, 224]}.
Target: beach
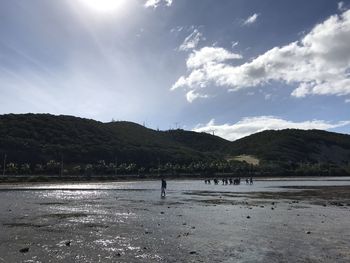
{"type": "Point", "coordinates": [273, 220]}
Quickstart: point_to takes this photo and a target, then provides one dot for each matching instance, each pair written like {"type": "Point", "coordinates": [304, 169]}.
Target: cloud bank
{"type": "Point", "coordinates": [318, 64]}
{"type": "Point", "coordinates": [250, 125]}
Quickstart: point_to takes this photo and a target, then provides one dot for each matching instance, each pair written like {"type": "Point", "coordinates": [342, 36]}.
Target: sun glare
{"type": "Point", "coordinates": [103, 6]}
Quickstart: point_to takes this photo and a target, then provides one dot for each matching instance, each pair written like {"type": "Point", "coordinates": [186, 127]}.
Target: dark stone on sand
{"type": "Point", "coordinates": [162, 213]}
{"type": "Point", "coordinates": [148, 232]}
{"type": "Point", "coordinates": [248, 217]}
{"type": "Point", "coordinates": [144, 248]}
{"type": "Point", "coordinates": [272, 208]}
{"type": "Point", "coordinates": [24, 250]}
{"type": "Point", "coordinates": [336, 203]}
{"type": "Point", "coordinates": [193, 227]}
{"type": "Point", "coordinates": [273, 203]}
{"type": "Point", "coordinates": [193, 252]}
{"type": "Point", "coordinates": [262, 206]}
{"type": "Point", "coordinates": [118, 254]}
{"type": "Point", "coordinates": [68, 243]}
{"type": "Point", "coordinates": [308, 232]}
{"type": "Point", "coordinates": [184, 224]}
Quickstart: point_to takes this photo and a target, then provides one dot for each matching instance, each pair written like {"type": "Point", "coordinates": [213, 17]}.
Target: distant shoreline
{"type": "Point", "coordinates": [10, 180]}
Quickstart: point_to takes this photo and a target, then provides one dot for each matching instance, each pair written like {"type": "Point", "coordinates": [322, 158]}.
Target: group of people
{"type": "Point", "coordinates": [226, 181]}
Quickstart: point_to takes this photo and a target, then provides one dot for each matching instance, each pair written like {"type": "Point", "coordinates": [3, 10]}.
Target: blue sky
{"type": "Point", "coordinates": [232, 67]}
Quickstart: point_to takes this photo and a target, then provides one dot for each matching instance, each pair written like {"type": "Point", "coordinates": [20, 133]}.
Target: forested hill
{"type": "Point", "coordinates": [39, 138]}
{"type": "Point", "coordinates": [292, 145]}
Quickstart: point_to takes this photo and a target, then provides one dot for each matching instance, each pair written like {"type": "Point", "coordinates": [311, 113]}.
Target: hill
{"type": "Point", "coordinates": [292, 145]}
{"type": "Point", "coordinates": [38, 143]}
{"type": "Point", "coordinates": [38, 138]}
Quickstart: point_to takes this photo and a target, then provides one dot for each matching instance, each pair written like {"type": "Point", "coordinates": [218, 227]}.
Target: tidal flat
{"type": "Point", "coordinates": [273, 220]}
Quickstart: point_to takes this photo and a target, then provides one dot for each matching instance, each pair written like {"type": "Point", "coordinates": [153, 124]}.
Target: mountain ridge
{"type": "Point", "coordinates": [38, 138]}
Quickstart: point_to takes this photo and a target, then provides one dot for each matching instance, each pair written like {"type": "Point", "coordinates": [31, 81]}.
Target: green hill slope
{"type": "Point", "coordinates": [36, 138]}
{"type": "Point", "coordinates": [293, 145]}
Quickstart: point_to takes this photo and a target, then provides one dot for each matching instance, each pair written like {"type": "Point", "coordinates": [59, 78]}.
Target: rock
{"type": "Point", "coordinates": [193, 252]}
{"type": "Point", "coordinates": [273, 203]}
{"type": "Point", "coordinates": [24, 250]}
{"type": "Point", "coordinates": [68, 243]}
{"type": "Point", "coordinates": [162, 213]}
{"type": "Point", "coordinates": [148, 232]}
{"type": "Point", "coordinates": [144, 248]}
{"type": "Point", "coordinates": [248, 217]}
{"type": "Point", "coordinates": [193, 227]}
{"type": "Point", "coordinates": [184, 224]}
{"type": "Point", "coordinates": [118, 254]}
{"type": "Point", "coordinates": [272, 208]}
{"type": "Point", "coordinates": [262, 206]}
{"type": "Point", "coordinates": [308, 232]}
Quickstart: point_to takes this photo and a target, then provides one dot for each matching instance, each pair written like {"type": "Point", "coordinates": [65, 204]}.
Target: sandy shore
{"type": "Point", "coordinates": [290, 224]}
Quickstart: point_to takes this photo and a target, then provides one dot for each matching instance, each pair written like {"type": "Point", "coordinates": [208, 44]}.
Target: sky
{"type": "Point", "coordinates": [228, 67]}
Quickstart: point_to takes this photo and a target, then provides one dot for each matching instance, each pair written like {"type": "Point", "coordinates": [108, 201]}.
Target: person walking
{"type": "Point", "coordinates": [162, 193]}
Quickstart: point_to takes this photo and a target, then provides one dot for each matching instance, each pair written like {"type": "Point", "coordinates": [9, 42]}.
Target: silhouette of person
{"type": "Point", "coordinates": [162, 193]}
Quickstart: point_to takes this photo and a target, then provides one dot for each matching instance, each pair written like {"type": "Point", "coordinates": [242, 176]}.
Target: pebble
{"type": "Point", "coordinates": [308, 232]}
{"type": "Point", "coordinates": [68, 243]}
{"type": "Point", "coordinates": [248, 217]}
{"type": "Point", "coordinates": [193, 252]}
{"type": "Point", "coordinates": [24, 250]}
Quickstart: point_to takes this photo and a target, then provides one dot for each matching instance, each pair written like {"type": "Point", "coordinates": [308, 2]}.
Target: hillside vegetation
{"type": "Point", "coordinates": [40, 143]}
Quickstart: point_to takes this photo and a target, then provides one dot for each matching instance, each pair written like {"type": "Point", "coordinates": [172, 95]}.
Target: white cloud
{"type": "Point", "coordinates": [192, 40]}
{"type": "Point", "coordinates": [197, 60]}
{"type": "Point", "coordinates": [251, 19]}
{"type": "Point", "coordinates": [341, 6]}
{"type": "Point", "coordinates": [319, 64]}
{"type": "Point", "coordinates": [192, 95]}
{"type": "Point", "coordinates": [250, 125]}
{"type": "Point", "coordinates": [209, 55]}
{"type": "Point", "coordinates": [156, 3]}
{"type": "Point", "coordinates": [234, 44]}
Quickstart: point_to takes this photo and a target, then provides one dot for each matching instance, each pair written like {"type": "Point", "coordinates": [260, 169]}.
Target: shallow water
{"type": "Point", "coordinates": [129, 222]}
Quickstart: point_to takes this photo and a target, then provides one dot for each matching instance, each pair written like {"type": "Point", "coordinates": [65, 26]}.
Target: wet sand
{"type": "Point", "coordinates": [129, 222]}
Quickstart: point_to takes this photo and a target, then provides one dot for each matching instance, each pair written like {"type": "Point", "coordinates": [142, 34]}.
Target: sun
{"type": "Point", "coordinates": [103, 6]}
